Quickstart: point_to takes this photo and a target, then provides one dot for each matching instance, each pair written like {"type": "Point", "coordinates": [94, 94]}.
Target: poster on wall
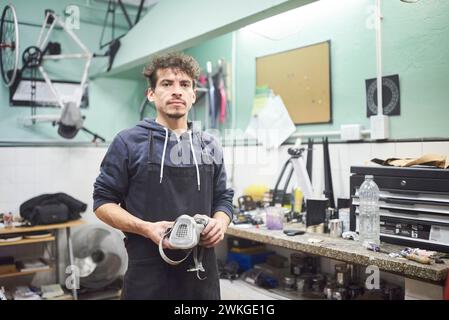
{"type": "Point", "coordinates": [302, 78]}
{"type": "Point", "coordinates": [391, 97]}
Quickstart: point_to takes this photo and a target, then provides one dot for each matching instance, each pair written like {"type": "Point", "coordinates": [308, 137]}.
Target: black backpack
{"type": "Point", "coordinates": [51, 208]}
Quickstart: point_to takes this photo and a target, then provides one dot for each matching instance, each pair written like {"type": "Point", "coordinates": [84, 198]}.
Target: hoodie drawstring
{"type": "Point", "coordinates": [196, 162]}
{"type": "Point", "coordinates": [163, 155]}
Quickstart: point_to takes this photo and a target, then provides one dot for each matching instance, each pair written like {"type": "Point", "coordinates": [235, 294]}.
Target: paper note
{"type": "Point", "coordinates": [274, 124]}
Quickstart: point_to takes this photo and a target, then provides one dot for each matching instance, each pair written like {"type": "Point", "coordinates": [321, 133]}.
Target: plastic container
{"type": "Point", "coordinates": [342, 274]}
{"type": "Point", "coordinates": [343, 215]}
{"type": "Point", "coordinates": [247, 261]}
{"type": "Point", "coordinates": [275, 218]}
{"type": "Point", "coordinates": [369, 221]}
{"type": "Point", "coordinates": [8, 220]}
{"type": "Point", "coordinates": [289, 283]}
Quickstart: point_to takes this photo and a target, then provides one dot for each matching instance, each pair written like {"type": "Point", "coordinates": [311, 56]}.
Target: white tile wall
{"type": "Point", "coordinates": [383, 150]}
{"type": "Point", "coordinates": [359, 154]}
{"type": "Point", "coordinates": [409, 150]}
{"type": "Point", "coordinates": [28, 172]}
{"type": "Point", "coordinates": [436, 147]}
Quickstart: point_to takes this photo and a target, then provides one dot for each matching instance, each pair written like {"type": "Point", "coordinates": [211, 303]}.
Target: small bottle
{"type": "Point", "coordinates": [369, 221]}
{"type": "Point", "coordinates": [298, 197]}
{"type": "Point", "coordinates": [8, 220]}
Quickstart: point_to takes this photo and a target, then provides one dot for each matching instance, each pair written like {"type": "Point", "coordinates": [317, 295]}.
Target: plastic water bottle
{"type": "Point", "coordinates": [369, 221]}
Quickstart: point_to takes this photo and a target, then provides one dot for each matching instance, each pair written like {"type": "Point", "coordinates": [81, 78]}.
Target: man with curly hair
{"type": "Point", "coordinates": [155, 172]}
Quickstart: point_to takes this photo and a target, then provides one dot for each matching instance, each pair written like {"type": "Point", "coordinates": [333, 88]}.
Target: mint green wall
{"type": "Point", "coordinates": [116, 103]}
{"type": "Point", "coordinates": [212, 50]}
{"type": "Point", "coordinates": [415, 46]}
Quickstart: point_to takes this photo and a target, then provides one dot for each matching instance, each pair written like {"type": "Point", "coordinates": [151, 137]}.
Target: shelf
{"type": "Point", "coordinates": [105, 294]}
{"type": "Point", "coordinates": [27, 241]}
{"type": "Point", "coordinates": [66, 296]}
{"type": "Point", "coordinates": [69, 224]}
{"type": "Point", "coordinates": [48, 238]}
{"type": "Point", "coordinates": [24, 273]}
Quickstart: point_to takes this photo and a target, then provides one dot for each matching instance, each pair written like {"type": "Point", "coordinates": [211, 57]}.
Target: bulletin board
{"type": "Point", "coordinates": [302, 78]}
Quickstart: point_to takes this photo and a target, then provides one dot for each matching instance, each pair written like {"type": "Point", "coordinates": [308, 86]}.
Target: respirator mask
{"type": "Point", "coordinates": [185, 234]}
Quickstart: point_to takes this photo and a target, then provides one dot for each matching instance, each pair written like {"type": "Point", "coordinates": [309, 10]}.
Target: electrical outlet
{"type": "Point", "coordinates": [351, 132]}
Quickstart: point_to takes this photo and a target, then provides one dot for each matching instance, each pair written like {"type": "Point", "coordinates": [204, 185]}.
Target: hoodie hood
{"type": "Point", "coordinates": [153, 125]}
{"type": "Point", "coordinates": [164, 140]}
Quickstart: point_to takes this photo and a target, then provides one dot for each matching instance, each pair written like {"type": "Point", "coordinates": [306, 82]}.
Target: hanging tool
{"type": "Point", "coordinates": [309, 157]}
{"type": "Point", "coordinates": [328, 188]}
{"type": "Point", "coordinates": [221, 91]}
{"type": "Point", "coordinates": [211, 94]}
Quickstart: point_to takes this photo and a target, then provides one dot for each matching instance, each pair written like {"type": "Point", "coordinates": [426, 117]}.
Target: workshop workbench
{"type": "Point", "coordinates": [423, 281]}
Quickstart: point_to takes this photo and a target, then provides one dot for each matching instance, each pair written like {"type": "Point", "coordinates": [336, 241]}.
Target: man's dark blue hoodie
{"type": "Point", "coordinates": [128, 152]}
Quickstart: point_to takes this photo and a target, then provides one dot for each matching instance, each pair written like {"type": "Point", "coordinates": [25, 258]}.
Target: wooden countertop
{"type": "Point", "coordinates": [69, 224]}
{"type": "Point", "coordinates": [345, 250]}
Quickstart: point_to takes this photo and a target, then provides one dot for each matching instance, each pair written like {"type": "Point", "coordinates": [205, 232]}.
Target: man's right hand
{"type": "Point", "coordinates": [117, 217]}
{"type": "Point", "coordinates": [155, 231]}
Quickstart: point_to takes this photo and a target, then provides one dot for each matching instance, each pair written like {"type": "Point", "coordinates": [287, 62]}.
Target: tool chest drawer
{"type": "Point", "coordinates": [414, 205]}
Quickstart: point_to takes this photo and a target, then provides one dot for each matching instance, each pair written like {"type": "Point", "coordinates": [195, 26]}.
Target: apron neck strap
{"type": "Point", "coordinates": [150, 145]}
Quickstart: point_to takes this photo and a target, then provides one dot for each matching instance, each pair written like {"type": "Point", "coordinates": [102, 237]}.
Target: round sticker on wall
{"type": "Point", "coordinates": [390, 96]}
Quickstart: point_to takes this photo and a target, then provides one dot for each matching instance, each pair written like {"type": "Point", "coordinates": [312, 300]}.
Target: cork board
{"type": "Point", "coordinates": [302, 78]}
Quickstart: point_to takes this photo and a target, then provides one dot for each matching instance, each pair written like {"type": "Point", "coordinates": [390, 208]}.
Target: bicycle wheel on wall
{"type": "Point", "coordinates": [9, 45]}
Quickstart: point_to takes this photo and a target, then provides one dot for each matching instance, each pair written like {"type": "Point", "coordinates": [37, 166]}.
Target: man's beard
{"type": "Point", "coordinates": [175, 116]}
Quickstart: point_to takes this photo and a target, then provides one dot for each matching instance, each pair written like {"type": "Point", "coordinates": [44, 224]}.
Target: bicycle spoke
{"type": "Point", "coordinates": [9, 42]}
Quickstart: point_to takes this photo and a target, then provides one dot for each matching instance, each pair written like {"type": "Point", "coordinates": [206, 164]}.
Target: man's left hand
{"type": "Point", "coordinates": [214, 232]}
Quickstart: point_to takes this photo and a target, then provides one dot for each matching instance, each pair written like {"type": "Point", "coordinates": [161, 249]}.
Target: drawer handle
{"type": "Point", "coordinates": [399, 201]}
{"type": "Point", "coordinates": [403, 183]}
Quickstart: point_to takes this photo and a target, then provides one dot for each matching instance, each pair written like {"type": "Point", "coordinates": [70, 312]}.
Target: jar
{"type": "Point", "coordinates": [275, 218]}
{"type": "Point", "coordinates": [329, 289]}
{"type": "Point", "coordinates": [300, 282]}
{"type": "Point", "coordinates": [342, 274]}
{"type": "Point", "coordinates": [289, 283]}
{"type": "Point", "coordinates": [335, 228]}
{"type": "Point", "coordinates": [318, 283]}
{"type": "Point", "coordinates": [340, 294]}
{"type": "Point", "coordinates": [8, 220]}
{"type": "Point", "coordinates": [304, 282]}
{"type": "Point", "coordinates": [297, 261]}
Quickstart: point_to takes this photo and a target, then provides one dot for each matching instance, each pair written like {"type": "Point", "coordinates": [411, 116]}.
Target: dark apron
{"type": "Point", "coordinates": [148, 276]}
